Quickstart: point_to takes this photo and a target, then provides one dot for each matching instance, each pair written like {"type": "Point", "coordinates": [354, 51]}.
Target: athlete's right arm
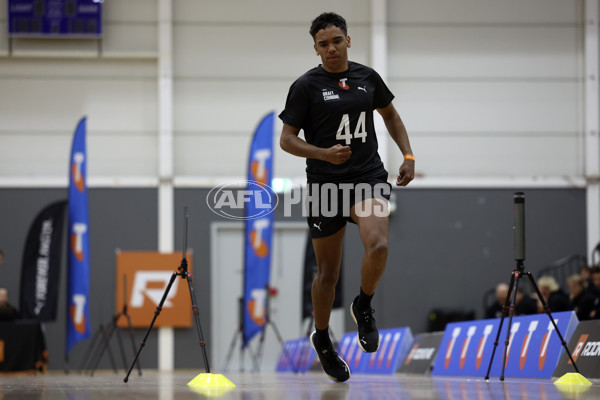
{"type": "Point", "coordinates": [291, 143]}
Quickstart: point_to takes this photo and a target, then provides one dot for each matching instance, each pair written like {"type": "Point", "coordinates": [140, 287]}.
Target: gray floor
{"type": "Point", "coordinates": [266, 386]}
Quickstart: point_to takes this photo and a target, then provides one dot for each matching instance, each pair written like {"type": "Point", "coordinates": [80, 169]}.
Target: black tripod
{"type": "Point", "coordinates": [184, 274]}
{"type": "Point", "coordinates": [509, 304]}
{"type": "Point", "coordinates": [107, 336]}
{"type": "Point", "coordinates": [239, 333]}
{"type": "Point", "coordinates": [269, 322]}
{"type": "Point", "coordinates": [96, 350]}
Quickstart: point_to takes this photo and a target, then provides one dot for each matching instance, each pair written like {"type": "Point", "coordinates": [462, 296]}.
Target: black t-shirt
{"type": "Point", "coordinates": [338, 109]}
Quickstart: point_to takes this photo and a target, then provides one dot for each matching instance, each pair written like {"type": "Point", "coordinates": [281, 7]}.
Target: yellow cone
{"type": "Point", "coordinates": [572, 382]}
{"type": "Point", "coordinates": [211, 385]}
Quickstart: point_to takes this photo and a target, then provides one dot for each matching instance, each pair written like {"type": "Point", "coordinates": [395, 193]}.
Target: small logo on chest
{"type": "Point", "coordinates": [329, 95]}
{"type": "Point", "coordinates": [343, 84]}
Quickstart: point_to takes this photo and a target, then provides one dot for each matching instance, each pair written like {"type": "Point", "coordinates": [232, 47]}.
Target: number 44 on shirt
{"type": "Point", "coordinates": [343, 132]}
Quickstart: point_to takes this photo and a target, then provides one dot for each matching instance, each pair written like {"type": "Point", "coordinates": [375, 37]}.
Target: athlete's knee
{"type": "Point", "coordinates": [327, 277]}
{"type": "Point", "coordinates": [377, 248]}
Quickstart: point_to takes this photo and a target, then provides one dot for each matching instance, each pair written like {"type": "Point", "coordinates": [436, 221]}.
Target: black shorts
{"type": "Point", "coordinates": [328, 204]}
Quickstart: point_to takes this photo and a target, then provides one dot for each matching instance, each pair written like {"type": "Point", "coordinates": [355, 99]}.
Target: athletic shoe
{"type": "Point", "coordinates": [368, 335]}
{"type": "Point", "coordinates": [334, 367]}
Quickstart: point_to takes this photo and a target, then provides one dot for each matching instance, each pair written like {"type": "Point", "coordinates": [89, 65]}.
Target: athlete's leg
{"type": "Point", "coordinates": [328, 251]}
{"type": "Point", "coordinates": [373, 230]}
{"type": "Point", "coordinates": [371, 216]}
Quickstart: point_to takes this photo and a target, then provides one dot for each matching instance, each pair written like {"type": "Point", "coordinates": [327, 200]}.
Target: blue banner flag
{"type": "Point", "coordinates": [78, 321]}
{"type": "Point", "coordinates": [259, 229]}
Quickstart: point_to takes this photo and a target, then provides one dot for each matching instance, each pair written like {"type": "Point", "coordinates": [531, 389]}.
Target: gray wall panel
{"type": "Point", "coordinates": [119, 218]}
{"type": "Point", "coordinates": [447, 247]}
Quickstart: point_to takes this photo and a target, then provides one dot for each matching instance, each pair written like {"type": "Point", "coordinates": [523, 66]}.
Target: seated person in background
{"type": "Point", "coordinates": [7, 311]}
{"type": "Point", "coordinates": [524, 305]}
{"type": "Point", "coordinates": [554, 296]}
{"type": "Point", "coordinates": [595, 314]}
{"type": "Point", "coordinates": [585, 273]}
{"type": "Point", "coordinates": [582, 301]}
{"type": "Point", "coordinates": [495, 310]}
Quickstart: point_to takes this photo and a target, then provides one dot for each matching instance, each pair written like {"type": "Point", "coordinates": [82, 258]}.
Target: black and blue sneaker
{"type": "Point", "coordinates": [368, 335]}
{"type": "Point", "coordinates": [333, 365]}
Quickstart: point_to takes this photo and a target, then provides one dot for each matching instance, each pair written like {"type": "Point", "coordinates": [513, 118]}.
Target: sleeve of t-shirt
{"type": "Point", "coordinates": [296, 106]}
{"type": "Point", "coordinates": [383, 96]}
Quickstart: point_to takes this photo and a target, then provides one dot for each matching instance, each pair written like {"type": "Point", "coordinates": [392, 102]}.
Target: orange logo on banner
{"type": "Point", "coordinates": [260, 319]}
{"type": "Point", "coordinates": [258, 244]}
{"type": "Point", "coordinates": [580, 343]}
{"type": "Point", "coordinates": [1, 350]}
{"type": "Point", "coordinates": [77, 312]}
{"type": "Point", "coordinates": [76, 173]}
{"type": "Point", "coordinates": [147, 275]}
{"type": "Point", "coordinates": [259, 172]}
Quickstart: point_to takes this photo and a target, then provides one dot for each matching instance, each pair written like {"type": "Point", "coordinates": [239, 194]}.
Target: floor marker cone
{"type": "Point", "coordinates": [572, 382]}
{"type": "Point", "coordinates": [211, 385]}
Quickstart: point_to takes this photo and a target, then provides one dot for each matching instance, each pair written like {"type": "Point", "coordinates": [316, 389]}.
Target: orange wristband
{"type": "Point", "coordinates": [409, 157]}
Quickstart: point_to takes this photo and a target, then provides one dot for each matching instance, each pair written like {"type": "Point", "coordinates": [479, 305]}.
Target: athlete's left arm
{"type": "Point", "coordinates": [397, 131]}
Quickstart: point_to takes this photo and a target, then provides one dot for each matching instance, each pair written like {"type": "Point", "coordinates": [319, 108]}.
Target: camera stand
{"type": "Point", "coordinates": [270, 322]}
{"type": "Point", "coordinates": [184, 274]}
{"type": "Point", "coordinates": [509, 303]}
{"type": "Point", "coordinates": [239, 333]}
{"type": "Point", "coordinates": [509, 309]}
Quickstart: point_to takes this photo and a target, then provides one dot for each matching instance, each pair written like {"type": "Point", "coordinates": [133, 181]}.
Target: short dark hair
{"type": "Point", "coordinates": [596, 269]}
{"type": "Point", "coordinates": [326, 19]}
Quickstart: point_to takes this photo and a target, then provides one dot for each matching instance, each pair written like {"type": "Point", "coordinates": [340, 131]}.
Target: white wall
{"type": "Point", "coordinates": [47, 85]}
{"type": "Point", "coordinates": [489, 88]}
{"type": "Point", "coordinates": [234, 62]}
{"type": "Point", "coordinates": [486, 88]}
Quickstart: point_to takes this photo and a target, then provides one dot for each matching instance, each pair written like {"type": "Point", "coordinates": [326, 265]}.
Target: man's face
{"type": "Point", "coordinates": [501, 293]}
{"type": "Point", "coordinates": [332, 46]}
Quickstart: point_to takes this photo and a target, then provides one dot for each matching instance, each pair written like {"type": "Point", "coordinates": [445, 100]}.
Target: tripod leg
{"type": "Point", "coordinates": [511, 313]}
{"type": "Point", "coordinates": [547, 310]}
{"type": "Point", "coordinates": [197, 319]}
{"type": "Point", "coordinates": [130, 329]}
{"type": "Point", "coordinates": [504, 314]}
{"type": "Point", "coordinates": [284, 349]}
{"type": "Point", "coordinates": [111, 357]}
{"type": "Point", "coordinates": [156, 314]}
{"type": "Point", "coordinates": [88, 352]}
{"type": "Point", "coordinates": [97, 350]}
{"type": "Point", "coordinates": [261, 342]}
{"type": "Point", "coordinates": [105, 348]}
{"type": "Point", "coordinates": [231, 349]}
{"type": "Point", "coordinates": [121, 349]}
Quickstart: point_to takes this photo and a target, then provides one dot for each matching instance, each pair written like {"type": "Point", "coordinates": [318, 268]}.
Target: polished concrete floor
{"type": "Point", "coordinates": [267, 386]}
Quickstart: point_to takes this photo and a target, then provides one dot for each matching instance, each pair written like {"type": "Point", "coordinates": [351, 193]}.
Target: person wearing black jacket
{"type": "Point", "coordinates": [7, 311]}
{"type": "Point", "coordinates": [582, 301]}
{"type": "Point", "coordinates": [554, 296]}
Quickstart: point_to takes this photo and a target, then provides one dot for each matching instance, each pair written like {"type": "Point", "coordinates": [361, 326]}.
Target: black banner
{"type": "Point", "coordinates": [40, 270]}
{"type": "Point", "coordinates": [310, 271]}
{"type": "Point", "coordinates": [585, 350]}
{"type": "Point", "coordinates": [422, 354]}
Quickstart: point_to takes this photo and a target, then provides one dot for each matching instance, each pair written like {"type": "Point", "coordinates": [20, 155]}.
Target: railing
{"type": "Point", "coordinates": [563, 268]}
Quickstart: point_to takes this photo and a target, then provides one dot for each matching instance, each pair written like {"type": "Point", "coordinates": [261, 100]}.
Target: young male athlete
{"type": "Point", "coordinates": [333, 103]}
